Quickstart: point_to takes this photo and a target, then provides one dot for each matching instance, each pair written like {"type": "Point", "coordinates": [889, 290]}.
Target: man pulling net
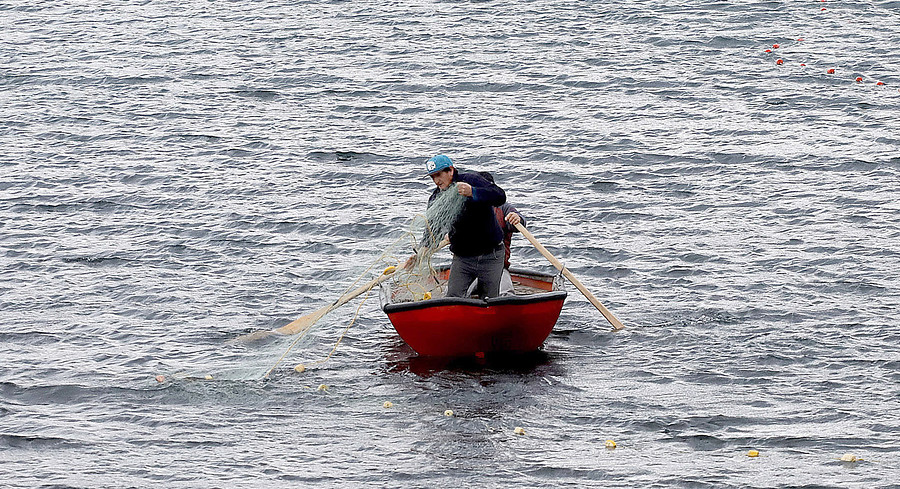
{"type": "Point", "coordinates": [475, 237]}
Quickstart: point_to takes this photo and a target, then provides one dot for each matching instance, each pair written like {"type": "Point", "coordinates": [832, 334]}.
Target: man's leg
{"type": "Point", "coordinates": [462, 274]}
{"type": "Point", "coordinates": [489, 271]}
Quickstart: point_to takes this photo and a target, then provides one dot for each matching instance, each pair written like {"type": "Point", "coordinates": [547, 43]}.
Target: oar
{"type": "Point", "coordinates": [300, 324]}
{"type": "Point", "coordinates": [303, 323]}
{"type": "Point", "coordinates": [565, 271]}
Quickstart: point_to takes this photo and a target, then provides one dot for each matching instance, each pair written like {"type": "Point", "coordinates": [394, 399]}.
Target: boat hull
{"type": "Point", "coordinates": [454, 327]}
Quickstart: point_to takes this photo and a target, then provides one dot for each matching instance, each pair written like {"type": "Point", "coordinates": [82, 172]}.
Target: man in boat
{"type": "Point", "coordinates": [476, 239]}
{"type": "Point", "coordinates": [507, 217]}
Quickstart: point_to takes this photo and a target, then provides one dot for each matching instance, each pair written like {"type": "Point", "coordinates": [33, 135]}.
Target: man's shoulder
{"type": "Point", "coordinates": [473, 178]}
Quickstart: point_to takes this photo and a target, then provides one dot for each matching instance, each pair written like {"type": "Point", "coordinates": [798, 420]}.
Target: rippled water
{"type": "Point", "coordinates": [175, 175]}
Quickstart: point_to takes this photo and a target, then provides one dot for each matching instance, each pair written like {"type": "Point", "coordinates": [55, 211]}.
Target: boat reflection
{"type": "Point", "coordinates": [401, 358]}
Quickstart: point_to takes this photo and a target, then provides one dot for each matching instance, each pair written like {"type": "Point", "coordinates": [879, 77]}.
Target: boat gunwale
{"type": "Point", "coordinates": [485, 303]}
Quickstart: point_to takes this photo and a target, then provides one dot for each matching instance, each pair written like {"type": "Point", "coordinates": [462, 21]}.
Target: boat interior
{"type": "Point", "coordinates": [523, 283]}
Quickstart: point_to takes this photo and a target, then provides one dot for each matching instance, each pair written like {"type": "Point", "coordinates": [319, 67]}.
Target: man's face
{"type": "Point", "coordinates": [443, 178]}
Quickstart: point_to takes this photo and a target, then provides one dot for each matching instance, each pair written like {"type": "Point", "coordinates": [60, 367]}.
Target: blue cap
{"type": "Point", "coordinates": [437, 163]}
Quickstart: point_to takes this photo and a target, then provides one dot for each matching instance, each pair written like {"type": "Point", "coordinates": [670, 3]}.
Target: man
{"type": "Point", "coordinates": [507, 217]}
{"type": "Point", "coordinates": [476, 239]}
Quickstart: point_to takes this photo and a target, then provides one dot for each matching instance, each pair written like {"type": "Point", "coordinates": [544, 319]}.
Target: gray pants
{"type": "Point", "coordinates": [506, 285]}
{"type": "Point", "coordinates": [486, 268]}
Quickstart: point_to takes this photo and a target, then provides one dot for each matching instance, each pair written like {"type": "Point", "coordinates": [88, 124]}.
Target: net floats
{"type": "Point", "coordinates": [300, 368]}
{"type": "Point", "coordinates": [160, 378]}
{"type": "Point", "coordinates": [322, 388]}
{"type": "Point", "coordinates": [388, 404]}
{"type": "Point", "coordinates": [448, 412]}
{"type": "Point", "coordinates": [850, 457]}
{"type": "Point", "coordinates": [519, 431]}
{"type": "Point", "coordinates": [753, 453]}
{"type": "Point", "coordinates": [610, 445]}
{"type": "Point", "coordinates": [829, 71]}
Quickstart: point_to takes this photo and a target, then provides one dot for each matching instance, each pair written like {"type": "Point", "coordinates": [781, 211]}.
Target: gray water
{"type": "Point", "coordinates": [174, 175]}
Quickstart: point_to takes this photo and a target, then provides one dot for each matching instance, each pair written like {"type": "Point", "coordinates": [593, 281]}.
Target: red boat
{"type": "Point", "coordinates": [455, 327]}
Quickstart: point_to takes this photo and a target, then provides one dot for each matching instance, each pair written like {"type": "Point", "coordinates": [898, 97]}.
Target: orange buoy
{"type": "Point", "coordinates": [880, 83]}
{"type": "Point", "coordinates": [802, 64]}
{"type": "Point", "coordinates": [859, 79]}
{"type": "Point", "coordinates": [775, 46]}
{"type": "Point", "coordinates": [830, 71]}
{"type": "Point", "coordinates": [799, 39]}
{"type": "Point", "coordinates": [768, 50]}
{"type": "Point", "coordinates": [779, 62]}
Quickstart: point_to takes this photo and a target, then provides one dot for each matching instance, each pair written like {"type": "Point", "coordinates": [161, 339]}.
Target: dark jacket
{"type": "Point", "coordinates": [475, 231]}
{"type": "Point", "coordinates": [508, 229]}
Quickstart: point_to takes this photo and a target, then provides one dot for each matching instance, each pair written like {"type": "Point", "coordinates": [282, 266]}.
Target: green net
{"type": "Point", "coordinates": [414, 279]}
{"type": "Point", "coordinates": [417, 280]}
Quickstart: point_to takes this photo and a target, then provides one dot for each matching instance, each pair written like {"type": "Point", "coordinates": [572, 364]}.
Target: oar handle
{"type": "Point", "coordinates": [566, 273]}
{"type": "Point", "coordinates": [363, 289]}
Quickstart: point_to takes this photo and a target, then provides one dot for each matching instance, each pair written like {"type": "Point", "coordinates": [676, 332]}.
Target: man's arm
{"type": "Point", "coordinates": [512, 217]}
{"type": "Point", "coordinates": [481, 190]}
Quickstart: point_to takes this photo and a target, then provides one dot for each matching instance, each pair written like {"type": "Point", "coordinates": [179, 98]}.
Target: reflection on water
{"type": "Point", "coordinates": [402, 359]}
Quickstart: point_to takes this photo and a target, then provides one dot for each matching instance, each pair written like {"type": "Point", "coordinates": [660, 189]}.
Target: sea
{"type": "Point", "coordinates": [722, 176]}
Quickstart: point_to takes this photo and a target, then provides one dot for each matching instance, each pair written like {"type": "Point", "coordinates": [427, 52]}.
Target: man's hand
{"type": "Point", "coordinates": [464, 189]}
{"type": "Point", "coordinates": [513, 218]}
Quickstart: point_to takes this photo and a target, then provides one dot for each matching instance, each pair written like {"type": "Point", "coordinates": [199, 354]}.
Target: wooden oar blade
{"type": "Point", "coordinates": [253, 337]}
{"type": "Point", "coordinates": [303, 323]}
{"type": "Point", "coordinates": [296, 326]}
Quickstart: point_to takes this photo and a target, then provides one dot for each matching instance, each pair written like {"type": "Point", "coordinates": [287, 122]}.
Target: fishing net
{"type": "Point", "coordinates": [412, 279]}
{"type": "Point", "coordinates": [417, 280]}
